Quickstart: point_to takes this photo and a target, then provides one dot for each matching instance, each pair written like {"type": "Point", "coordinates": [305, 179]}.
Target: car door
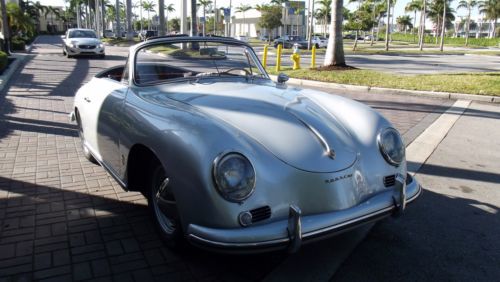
{"type": "Point", "coordinates": [109, 126]}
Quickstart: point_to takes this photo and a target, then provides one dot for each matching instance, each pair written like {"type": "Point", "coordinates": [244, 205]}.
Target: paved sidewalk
{"type": "Point", "coordinates": [62, 217]}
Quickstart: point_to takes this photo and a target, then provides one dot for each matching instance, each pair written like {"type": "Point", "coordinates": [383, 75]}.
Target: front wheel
{"type": "Point", "coordinates": [163, 207]}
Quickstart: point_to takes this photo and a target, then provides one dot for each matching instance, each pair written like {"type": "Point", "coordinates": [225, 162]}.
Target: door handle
{"type": "Point", "coordinates": [86, 99]}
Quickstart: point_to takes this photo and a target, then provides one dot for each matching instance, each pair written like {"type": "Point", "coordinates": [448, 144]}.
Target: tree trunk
{"type": "Point", "coordinates": [388, 25]}
{"type": "Point", "coordinates": [355, 41]}
{"type": "Point", "coordinates": [129, 19]}
{"type": "Point", "coordinates": [437, 30]}
{"type": "Point", "coordinates": [118, 29]}
{"type": "Point", "coordinates": [443, 27]}
{"type": "Point", "coordinates": [161, 17]}
{"type": "Point", "coordinates": [335, 51]}
{"type": "Point", "coordinates": [373, 35]}
{"type": "Point", "coordinates": [467, 29]}
{"type": "Point", "coordinates": [194, 29]}
{"type": "Point", "coordinates": [422, 31]}
{"type": "Point", "coordinates": [414, 25]}
{"type": "Point", "coordinates": [5, 28]}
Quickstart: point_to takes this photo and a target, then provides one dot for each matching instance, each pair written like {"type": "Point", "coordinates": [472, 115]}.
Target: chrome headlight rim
{"type": "Point", "coordinates": [382, 148]}
{"type": "Point", "coordinates": [215, 166]}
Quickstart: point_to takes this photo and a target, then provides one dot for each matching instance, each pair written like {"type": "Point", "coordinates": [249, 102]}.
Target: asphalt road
{"type": "Point", "coordinates": [406, 64]}
{"type": "Point", "coordinates": [64, 218]}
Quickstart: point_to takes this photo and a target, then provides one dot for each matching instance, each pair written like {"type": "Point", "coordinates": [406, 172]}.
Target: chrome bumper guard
{"type": "Point", "coordinates": [295, 235]}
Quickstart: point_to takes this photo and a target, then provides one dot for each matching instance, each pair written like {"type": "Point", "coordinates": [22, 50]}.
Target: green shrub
{"type": "Point", "coordinates": [17, 44]}
{"type": "Point", "coordinates": [3, 61]}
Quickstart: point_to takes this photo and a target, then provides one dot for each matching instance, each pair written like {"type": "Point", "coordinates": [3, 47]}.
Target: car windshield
{"type": "Point", "coordinates": [195, 60]}
{"type": "Point", "coordinates": [82, 34]}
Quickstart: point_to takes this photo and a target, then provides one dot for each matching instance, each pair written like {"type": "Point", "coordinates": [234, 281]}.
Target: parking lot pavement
{"type": "Point", "coordinates": [451, 233]}
{"type": "Point", "coordinates": [62, 217]}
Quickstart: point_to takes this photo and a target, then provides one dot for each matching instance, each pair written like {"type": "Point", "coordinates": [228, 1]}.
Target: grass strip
{"type": "Point", "coordinates": [469, 83]}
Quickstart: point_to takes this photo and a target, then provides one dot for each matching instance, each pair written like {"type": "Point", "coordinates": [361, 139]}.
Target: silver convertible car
{"type": "Point", "coordinates": [232, 161]}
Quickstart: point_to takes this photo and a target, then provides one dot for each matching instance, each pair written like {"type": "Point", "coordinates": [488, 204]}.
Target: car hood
{"type": "Point", "coordinates": [86, 41]}
{"type": "Point", "coordinates": [285, 121]}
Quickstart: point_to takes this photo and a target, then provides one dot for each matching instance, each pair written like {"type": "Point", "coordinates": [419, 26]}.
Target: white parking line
{"type": "Point", "coordinates": [425, 144]}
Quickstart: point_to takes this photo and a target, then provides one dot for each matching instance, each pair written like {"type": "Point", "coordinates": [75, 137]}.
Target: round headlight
{"type": "Point", "coordinates": [234, 177]}
{"type": "Point", "coordinates": [391, 146]}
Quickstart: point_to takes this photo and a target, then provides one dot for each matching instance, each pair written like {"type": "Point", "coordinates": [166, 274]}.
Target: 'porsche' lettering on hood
{"type": "Point", "coordinates": [285, 122]}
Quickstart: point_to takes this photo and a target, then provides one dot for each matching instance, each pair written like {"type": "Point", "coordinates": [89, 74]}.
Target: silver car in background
{"type": "Point", "coordinates": [80, 42]}
{"type": "Point", "coordinates": [229, 159]}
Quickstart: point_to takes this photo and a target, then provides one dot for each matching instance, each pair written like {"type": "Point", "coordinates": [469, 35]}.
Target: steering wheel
{"type": "Point", "coordinates": [233, 69]}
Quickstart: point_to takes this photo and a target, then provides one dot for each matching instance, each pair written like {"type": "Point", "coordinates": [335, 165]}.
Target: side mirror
{"type": "Point", "coordinates": [282, 78]}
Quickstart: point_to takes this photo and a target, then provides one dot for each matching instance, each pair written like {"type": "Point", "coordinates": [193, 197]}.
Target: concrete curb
{"type": "Point", "coordinates": [379, 90]}
{"type": "Point", "coordinates": [5, 77]}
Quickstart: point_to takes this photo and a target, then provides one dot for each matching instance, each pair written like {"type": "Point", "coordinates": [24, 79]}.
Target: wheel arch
{"type": "Point", "coordinates": [139, 161]}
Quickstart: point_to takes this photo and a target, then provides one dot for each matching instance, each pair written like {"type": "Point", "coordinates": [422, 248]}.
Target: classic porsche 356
{"type": "Point", "coordinates": [231, 160]}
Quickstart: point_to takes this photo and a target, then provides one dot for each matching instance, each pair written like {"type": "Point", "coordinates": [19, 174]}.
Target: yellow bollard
{"type": "Point", "coordinates": [278, 58]}
{"type": "Point", "coordinates": [313, 57]}
{"type": "Point", "coordinates": [264, 56]}
{"type": "Point", "coordinates": [296, 61]}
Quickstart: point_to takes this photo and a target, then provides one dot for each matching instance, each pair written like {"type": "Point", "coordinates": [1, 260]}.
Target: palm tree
{"type": "Point", "coordinates": [388, 27]}
{"type": "Point", "coordinates": [436, 12]}
{"type": "Point", "coordinates": [414, 6]}
{"type": "Point", "coordinates": [491, 10]}
{"type": "Point", "coordinates": [467, 4]}
{"type": "Point", "coordinates": [148, 6]}
{"type": "Point", "coordinates": [204, 4]}
{"type": "Point", "coordinates": [421, 34]}
{"type": "Point", "coordinates": [335, 51]}
{"type": "Point", "coordinates": [324, 13]}
{"type": "Point", "coordinates": [243, 9]}
{"type": "Point", "coordinates": [404, 22]}
{"type": "Point", "coordinates": [169, 9]}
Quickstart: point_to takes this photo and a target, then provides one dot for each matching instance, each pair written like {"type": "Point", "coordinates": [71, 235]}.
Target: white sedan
{"type": "Point", "coordinates": [78, 41]}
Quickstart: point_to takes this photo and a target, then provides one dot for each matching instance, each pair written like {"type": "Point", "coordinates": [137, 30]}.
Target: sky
{"type": "Point", "coordinates": [399, 9]}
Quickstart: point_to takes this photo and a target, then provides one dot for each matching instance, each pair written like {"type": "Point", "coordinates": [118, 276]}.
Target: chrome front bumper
{"type": "Point", "coordinates": [78, 51]}
{"type": "Point", "coordinates": [297, 229]}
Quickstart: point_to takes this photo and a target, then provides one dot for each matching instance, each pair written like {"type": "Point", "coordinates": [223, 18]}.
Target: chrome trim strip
{"type": "Point", "coordinates": [349, 222]}
{"type": "Point", "coordinates": [239, 245]}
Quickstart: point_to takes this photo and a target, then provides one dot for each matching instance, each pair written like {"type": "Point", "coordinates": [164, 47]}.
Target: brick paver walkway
{"type": "Point", "coordinates": [64, 218]}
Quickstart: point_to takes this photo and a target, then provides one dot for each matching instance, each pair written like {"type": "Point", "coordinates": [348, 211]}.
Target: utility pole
{"type": "Point", "coordinates": [5, 28]}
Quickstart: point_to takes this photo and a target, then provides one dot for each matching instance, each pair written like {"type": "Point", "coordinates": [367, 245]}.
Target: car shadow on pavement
{"type": "Point", "coordinates": [120, 234]}
{"type": "Point", "coordinates": [439, 238]}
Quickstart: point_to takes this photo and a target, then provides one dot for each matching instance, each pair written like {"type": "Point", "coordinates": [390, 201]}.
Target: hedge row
{"type": "Point", "coordinates": [482, 42]}
{"type": "Point", "coordinates": [3, 60]}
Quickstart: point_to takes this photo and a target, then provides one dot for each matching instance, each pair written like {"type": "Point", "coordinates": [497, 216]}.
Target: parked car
{"type": "Point", "coordinates": [319, 42]}
{"type": "Point", "coordinates": [352, 36]}
{"type": "Point", "coordinates": [264, 38]}
{"type": "Point", "coordinates": [229, 159]}
{"type": "Point", "coordinates": [109, 33]}
{"type": "Point", "coordinates": [287, 41]}
{"type": "Point", "coordinates": [145, 34]}
{"type": "Point", "coordinates": [241, 38]}
{"type": "Point", "coordinates": [82, 42]}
